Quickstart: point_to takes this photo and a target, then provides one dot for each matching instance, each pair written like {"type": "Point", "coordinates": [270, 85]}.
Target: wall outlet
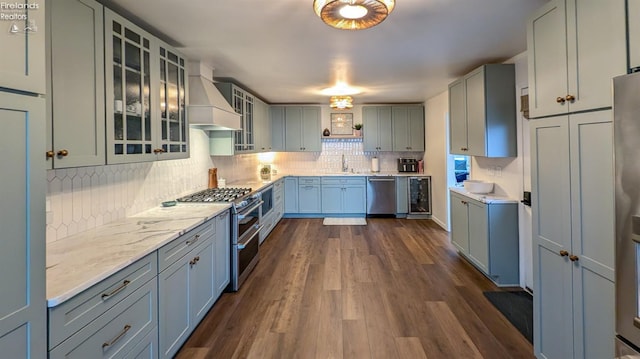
{"type": "Point", "coordinates": [492, 171]}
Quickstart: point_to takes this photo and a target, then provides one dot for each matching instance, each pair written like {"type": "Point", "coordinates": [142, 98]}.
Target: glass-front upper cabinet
{"type": "Point", "coordinates": [145, 95]}
{"type": "Point", "coordinates": [173, 120]}
{"type": "Point", "coordinates": [243, 103]}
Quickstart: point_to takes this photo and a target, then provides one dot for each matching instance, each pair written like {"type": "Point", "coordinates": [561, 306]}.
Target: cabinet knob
{"type": "Point", "coordinates": [464, 149]}
{"type": "Point", "coordinates": [560, 100]}
{"type": "Point", "coordinates": [63, 153]}
{"type": "Point", "coordinates": [50, 154]}
{"type": "Point", "coordinates": [158, 150]}
{"type": "Point", "coordinates": [574, 258]}
{"type": "Point", "coordinates": [564, 253]}
{"type": "Point", "coordinates": [570, 98]}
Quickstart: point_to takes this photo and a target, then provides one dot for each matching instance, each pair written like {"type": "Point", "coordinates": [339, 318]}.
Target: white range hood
{"type": "Point", "coordinates": [207, 108]}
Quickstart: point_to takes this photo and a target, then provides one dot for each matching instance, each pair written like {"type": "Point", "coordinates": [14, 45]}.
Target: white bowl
{"type": "Point", "coordinates": [476, 186]}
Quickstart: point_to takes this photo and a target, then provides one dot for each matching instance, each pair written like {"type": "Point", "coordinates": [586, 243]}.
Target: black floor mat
{"type": "Point", "coordinates": [517, 307]}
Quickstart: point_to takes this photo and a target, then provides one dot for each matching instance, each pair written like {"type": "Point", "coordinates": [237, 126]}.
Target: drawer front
{"type": "Point", "coordinates": [175, 250]}
{"type": "Point", "coordinates": [350, 181]}
{"type": "Point", "coordinates": [303, 181]}
{"type": "Point", "coordinates": [278, 186]}
{"type": "Point", "coordinates": [115, 333]}
{"type": "Point", "coordinates": [147, 348]}
{"type": "Point", "coordinates": [74, 314]}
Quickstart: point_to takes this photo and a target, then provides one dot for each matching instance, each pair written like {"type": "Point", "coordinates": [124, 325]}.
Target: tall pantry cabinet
{"type": "Point", "coordinates": [574, 49]}
{"type": "Point", "coordinates": [22, 142]}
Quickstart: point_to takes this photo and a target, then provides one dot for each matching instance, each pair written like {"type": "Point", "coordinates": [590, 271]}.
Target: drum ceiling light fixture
{"type": "Point", "coordinates": [353, 14]}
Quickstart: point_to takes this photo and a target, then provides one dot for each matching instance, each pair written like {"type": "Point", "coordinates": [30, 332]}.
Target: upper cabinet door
{"type": "Point", "coordinates": [311, 131]}
{"type": "Point", "coordinates": [401, 140]}
{"type": "Point", "coordinates": [293, 128]}
{"type": "Point", "coordinates": [76, 96]}
{"type": "Point", "coordinates": [596, 51]}
{"type": "Point", "coordinates": [547, 52]}
{"type": "Point", "coordinates": [476, 113]}
{"type": "Point", "coordinates": [575, 48]}
{"type": "Point", "coordinates": [22, 64]}
{"type": "Point", "coordinates": [130, 110]}
{"type": "Point", "coordinates": [416, 128]}
{"type": "Point", "coordinates": [171, 105]}
{"type": "Point", "coordinates": [385, 128]}
{"type": "Point", "coordinates": [457, 118]}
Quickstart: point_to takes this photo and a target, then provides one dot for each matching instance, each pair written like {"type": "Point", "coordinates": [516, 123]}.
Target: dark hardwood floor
{"type": "Point", "coordinates": [391, 289]}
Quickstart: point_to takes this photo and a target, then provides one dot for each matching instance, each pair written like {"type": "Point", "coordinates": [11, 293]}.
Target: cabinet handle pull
{"type": "Point", "coordinates": [159, 150]}
{"type": "Point", "coordinates": [50, 154]}
{"type": "Point", "coordinates": [194, 260]}
{"type": "Point", "coordinates": [564, 253]}
{"type": "Point", "coordinates": [560, 99]}
{"type": "Point", "coordinates": [574, 258]}
{"type": "Point", "coordinates": [194, 240]}
{"type": "Point", "coordinates": [114, 340]}
{"type": "Point", "coordinates": [121, 287]}
{"type": "Point", "coordinates": [570, 98]}
{"type": "Point", "coordinates": [63, 153]}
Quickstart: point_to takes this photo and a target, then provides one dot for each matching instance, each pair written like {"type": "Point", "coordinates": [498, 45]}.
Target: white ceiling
{"type": "Point", "coordinates": [281, 51]}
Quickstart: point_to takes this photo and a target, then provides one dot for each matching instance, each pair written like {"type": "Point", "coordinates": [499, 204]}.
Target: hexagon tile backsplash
{"type": "Point", "coordinates": [83, 198]}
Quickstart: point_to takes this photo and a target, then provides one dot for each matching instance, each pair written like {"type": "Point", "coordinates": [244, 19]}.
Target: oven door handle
{"type": "Point", "coordinates": [243, 245]}
{"type": "Point", "coordinates": [244, 212]}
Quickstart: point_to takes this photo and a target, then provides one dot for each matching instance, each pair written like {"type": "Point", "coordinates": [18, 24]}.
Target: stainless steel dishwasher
{"type": "Point", "coordinates": [381, 195]}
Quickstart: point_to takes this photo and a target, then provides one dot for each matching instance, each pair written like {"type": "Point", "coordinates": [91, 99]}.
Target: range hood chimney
{"type": "Point", "coordinates": [207, 108]}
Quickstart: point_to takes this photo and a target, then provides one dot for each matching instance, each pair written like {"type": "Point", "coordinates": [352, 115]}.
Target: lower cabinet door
{"type": "Point", "coordinates": [331, 199]}
{"type": "Point", "coordinates": [116, 332]}
{"type": "Point", "coordinates": [202, 286]}
{"type": "Point", "coordinates": [222, 253]}
{"type": "Point", "coordinates": [174, 316]}
{"type": "Point", "coordinates": [479, 235]}
{"type": "Point", "coordinates": [309, 199]}
{"type": "Point", "coordinates": [354, 199]}
{"type": "Point", "coordinates": [459, 224]}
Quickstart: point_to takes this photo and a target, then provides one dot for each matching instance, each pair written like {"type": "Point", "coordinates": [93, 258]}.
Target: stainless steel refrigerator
{"type": "Point", "coordinates": [626, 108]}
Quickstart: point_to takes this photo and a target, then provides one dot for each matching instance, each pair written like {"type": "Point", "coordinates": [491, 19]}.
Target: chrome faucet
{"type": "Point", "coordinates": [344, 164]}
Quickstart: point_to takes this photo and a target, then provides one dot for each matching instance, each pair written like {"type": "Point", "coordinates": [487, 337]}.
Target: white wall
{"type": "Point", "coordinates": [436, 156]}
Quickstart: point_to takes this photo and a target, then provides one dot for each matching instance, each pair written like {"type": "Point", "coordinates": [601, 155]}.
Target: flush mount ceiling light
{"type": "Point", "coordinates": [341, 102]}
{"type": "Point", "coordinates": [353, 14]}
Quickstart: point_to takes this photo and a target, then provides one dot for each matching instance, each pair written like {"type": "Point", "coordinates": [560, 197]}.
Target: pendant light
{"type": "Point", "coordinates": [341, 102]}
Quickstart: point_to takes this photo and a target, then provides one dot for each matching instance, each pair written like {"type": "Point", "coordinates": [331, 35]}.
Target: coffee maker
{"type": "Point", "coordinates": [407, 165]}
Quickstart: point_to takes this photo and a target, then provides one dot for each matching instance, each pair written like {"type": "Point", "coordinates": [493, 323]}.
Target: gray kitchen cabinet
{"type": "Point", "coordinates": [146, 84]}
{"type": "Point", "coordinates": [291, 195]}
{"type": "Point", "coordinates": [487, 235]}
{"type": "Point", "coordinates": [276, 114]}
{"type": "Point", "coordinates": [633, 34]}
{"type": "Point", "coordinates": [187, 288]}
{"type": "Point", "coordinates": [278, 199]}
{"type": "Point", "coordinates": [147, 348]}
{"type": "Point", "coordinates": [69, 317]}
{"type": "Point", "coordinates": [344, 195]}
{"type": "Point", "coordinates": [408, 128]}
{"type": "Point", "coordinates": [262, 124]}
{"type": "Point", "coordinates": [22, 64]}
{"type": "Point", "coordinates": [75, 67]}
{"type": "Point", "coordinates": [402, 196]}
{"type": "Point", "coordinates": [309, 195]}
{"type": "Point", "coordinates": [572, 178]}
{"type": "Point", "coordinates": [222, 253]}
{"type": "Point", "coordinates": [377, 128]}
{"type": "Point", "coordinates": [575, 48]}
{"type": "Point", "coordinates": [118, 331]}
{"type": "Point", "coordinates": [243, 103]}
{"type": "Point", "coordinates": [482, 111]}
{"type": "Point", "coordinates": [22, 248]}
{"type": "Point", "coordinates": [302, 129]}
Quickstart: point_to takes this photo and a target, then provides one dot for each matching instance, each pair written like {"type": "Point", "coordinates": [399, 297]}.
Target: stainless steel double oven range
{"type": "Point", "coordinates": [246, 218]}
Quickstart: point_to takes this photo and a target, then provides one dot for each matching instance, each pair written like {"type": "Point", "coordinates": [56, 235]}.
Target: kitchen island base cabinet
{"type": "Point", "coordinates": [487, 235]}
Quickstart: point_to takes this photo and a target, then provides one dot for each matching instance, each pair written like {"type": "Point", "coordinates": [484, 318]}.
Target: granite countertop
{"type": "Point", "coordinates": [80, 261]}
{"type": "Point", "coordinates": [488, 198]}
